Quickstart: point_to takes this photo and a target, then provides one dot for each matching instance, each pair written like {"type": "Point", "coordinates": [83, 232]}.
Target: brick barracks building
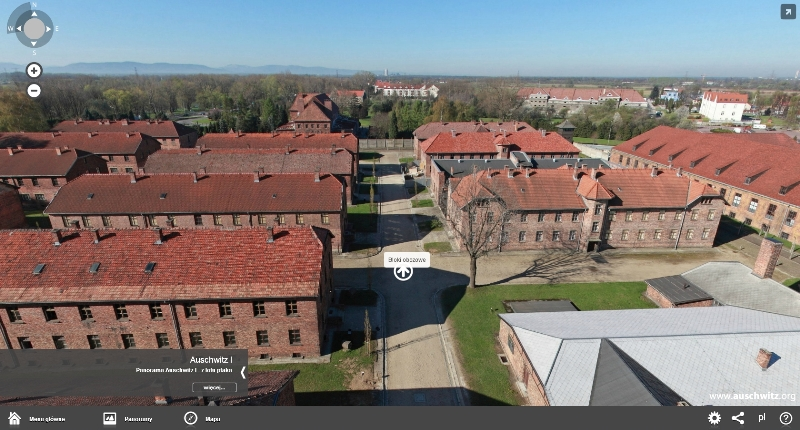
{"type": "Point", "coordinates": [191, 200]}
{"type": "Point", "coordinates": [38, 174]}
{"type": "Point", "coordinates": [258, 289]}
{"type": "Point", "coordinates": [754, 173]}
{"type": "Point", "coordinates": [591, 210]}
{"type": "Point", "coordinates": [427, 131]}
{"type": "Point", "coordinates": [170, 134]}
{"type": "Point", "coordinates": [11, 212]}
{"type": "Point", "coordinates": [336, 161]}
{"type": "Point", "coordinates": [123, 152]}
{"type": "Point", "coordinates": [316, 113]}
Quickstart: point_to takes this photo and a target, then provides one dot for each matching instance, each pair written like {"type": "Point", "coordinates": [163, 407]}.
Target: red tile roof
{"type": "Point", "coordinates": [426, 131]}
{"type": "Point", "coordinates": [486, 143]}
{"type": "Point", "coordinates": [260, 384]}
{"type": "Point", "coordinates": [243, 160]}
{"type": "Point", "coordinates": [38, 162]}
{"type": "Point", "coordinates": [544, 189]}
{"type": "Point", "coordinates": [583, 94]}
{"type": "Point", "coordinates": [196, 264]}
{"type": "Point", "coordinates": [280, 140]}
{"type": "Point", "coordinates": [98, 143]}
{"type": "Point", "coordinates": [221, 193]}
{"type": "Point", "coordinates": [722, 97]}
{"type": "Point", "coordinates": [350, 93]}
{"type": "Point", "coordinates": [160, 129]}
{"type": "Point", "coordinates": [311, 107]}
{"type": "Point", "coordinates": [725, 158]}
{"type": "Point", "coordinates": [591, 189]}
{"type": "Point", "coordinates": [636, 188]}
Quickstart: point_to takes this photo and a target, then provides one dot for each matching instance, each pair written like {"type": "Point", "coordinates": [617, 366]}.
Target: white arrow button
{"type": "Point", "coordinates": [33, 43]}
{"type": "Point", "coordinates": [19, 28]}
{"type": "Point", "coordinates": [34, 14]}
{"type": "Point", "coordinates": [48, 28]}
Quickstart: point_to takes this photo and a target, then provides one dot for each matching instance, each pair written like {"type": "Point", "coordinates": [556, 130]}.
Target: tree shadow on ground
{"type": "Point", "coordinates": [552, 266]}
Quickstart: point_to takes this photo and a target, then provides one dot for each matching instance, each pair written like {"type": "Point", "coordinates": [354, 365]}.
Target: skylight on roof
{"type": "Point", "coordinates": [163, 196]}
{"type": "Point", "coordinates": [89, 197]}
{"type": "Point", "coordinates": [94, 267]}
{"type": "Point", "coordinates": [38, 269]}
{"type": "Point", "coordinates": [149, 268]}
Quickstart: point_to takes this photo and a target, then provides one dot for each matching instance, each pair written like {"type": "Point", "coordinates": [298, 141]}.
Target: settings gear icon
{"type": "Point", "coordinates": [714, 418]}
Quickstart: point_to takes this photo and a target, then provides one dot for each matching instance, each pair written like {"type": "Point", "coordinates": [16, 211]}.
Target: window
{"type": "Point", "coordinates": [489, 216]}
{"type": "Point", "coordinates": [294, 337]}
{"type": "Point", "coordinates": [598, 209]}
{"type": "Point", "coordinates": [152, 220]}
{"type": "Point", "coordinates": [748, 221]}
{"type": "Point", "coordinates": [325, 219]}
{"type": "Point", "coordinates": [523, 217]}
{"type": "Point", "coordinates": [678, 215]}
{"type": "Point", "coordinates": [629, 216]}
{"type": "Point", "coordinates": [128, 170]}
{"type": "Point", "coordinates": [662, 215]}
{"type": "Point", "coordinates": [262, 219]}
{"type": "Point", "coordinates": [114, 170]}
{"type": "Point", "coordinates": [225, 310]}
{"type": "Point", "coordinates": [25, 343]}
{"type": "Point", "coordinates": [771, 211]}
{"type": "Point", "coordinates": [237, 219]}
{"type": "Point", "coordinates": [196, 340]}
{"type": "Point", "coordinates": [85, 312]}
{"type": "Point", "coordinates": [539, 236]}
{"type": "Point", "coordinates": [229, 338]}
{"type": "Point", "coordinates": [262, 338]}
{"type": "Point", "coordinates": [695, 214]}
{"type": "Point", "coordinates": [190, 310]}
{"type": "Point", "coordinates": [732, 214]}
{"type": "Point", "coordinates": [121, 312]}
{"type": "Point", "coordinates": [259, 309]}
{"type": "Point", "coordinates": [126, 158]}
{"type": "Point", "coordinates": [541, 216]}
{"type": "Point", "coordinates": [613, 215]}
{"type": "Point", "coordinates": [575, 216]}
{"type": "Point", "coordinates": [217, 219]}
{"type": "Point", "coordinates": [291, 307]}
{"type": "Point", "coordinates": [645, 215]}
{"type": "Point", "coordinates": [281, 219]}
{"type": "Point", "coordinates": [133, 220]}
{"type": "Point", "coordinates": [607, 235]}
{"type": "Point", "coordinates": [673, 234]}
{"type": "Point", "coordinates": [558, 216]}
{"type": "Point", "coordinates": [595, 227]}
{"type": "Point", "coordinates": [155, 311]}
{"type": "Point", "coordinates": [722, 192]}
{"type": "Point", "coordinates": [94, 341]}
{"type": "Point", "coordinates": [556, 236]}
{"type": "Point", "coordinates": [706, 233]}
{"type": "Point", "coordinates": [66, 221]}
{"type": "Point", "coordinates": [573, 234]}
{"type": "Point", "coordinates": [711, 214]}
{"type": "Point", "coordinates": [107, 221]}
{"type": "Point", "coordinates": [635, 163]}
{"type": "Point", "coordinates": [13, 314]}
{"type": "Point", "coordinates": [198, 219]}
{"type": "Point", "coordinates": [162, 340]}
{"type": "Point", "coordinates": [625, 234]}
{"type": "Point", "coordinates": [299, 219]}
{"type": "Point", "coordinates": [39, 197]}
{"type": "Point", "coordinates": [522, 236]}
{"type": "Point", "coordinates": [171, 221]}
{"type": "Point", "coordinates": [690, 234]}
{"type": "Point", "coordinates": [657, 235]}
{"type": "Point", "coordinates": [790, 218]}
{"type": "Point", "coordinates": [60, 342]}
{"type": "Point", "coordinates": [25, 197]}
{"type": "Point", "coordinates": [737, 199]}
{"type": "Point", "coordinates": [110, 158]}
{"type": "Point", "coordinates": [753, 206]}
{"type": "Point", "coordinates": [34, 182]}
{"type": "Point", "coordinates": [87, 223]}
{"type": "Point", "coordinates": [510, 342]}
{"type": "Point", "coordinates": [54, 181]}
{"type": "Point", "coordinates": [50, 314]}
{"type": "Point", "coordinates": [640, 236]}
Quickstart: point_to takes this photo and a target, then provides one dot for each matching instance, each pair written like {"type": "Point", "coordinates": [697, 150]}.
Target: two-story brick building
{"type": "Point", "coordinates": [233, 200]}
{"type": "Point", "coordinates": [11, 213]}
{"type": "Point", "coordinates": [754, 173]}
{"type": "Point", "coordinates": [38, 174]}
{"type": "Point", "coordinates": [261, 289]}
{"type": "Point", "coordinates": [316, 113]}
{"type": "Point", "coordinates": [589, 210]}
{"type": "Point", "coordinates": [427, 131]}
{"type": "Point", "coordinates": [337, 161]}
{"type": "Point", "coordinates": [169, 133]}
{"type": "Point", "coordinates": [123, 151]}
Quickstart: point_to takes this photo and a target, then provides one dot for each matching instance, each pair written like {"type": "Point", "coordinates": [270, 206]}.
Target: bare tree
{"type": "Point", "coordinates": [476, 215]}
{"type": "Point", "coordinates": [367, 332]}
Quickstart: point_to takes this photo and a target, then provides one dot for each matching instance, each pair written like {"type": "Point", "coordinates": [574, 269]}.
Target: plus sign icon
{"type": "Point", "coordinates": [403, 263]}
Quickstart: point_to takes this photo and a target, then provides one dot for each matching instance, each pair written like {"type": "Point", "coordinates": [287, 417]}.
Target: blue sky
{"type": "Point", "coordinates": [500, 37]}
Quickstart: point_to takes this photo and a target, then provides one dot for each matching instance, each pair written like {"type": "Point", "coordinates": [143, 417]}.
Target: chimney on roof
{"type": "Point", "coordinates": [194, 177]}
{"type": "Point", "coordinates": [270, 235]}
{"type": "Point", "coordinates": [75, 224]}
{"type": "Point", "coordinates": [594, 173]}
{"type": "Point", "coordinates": [679, 172]}
{"type": "Point", "coordinates": [159, 236]}
{"type": "Point", "coordinates": [287, 150]}
{"type": "Point", "coordinates": [199, 150]}
{"type": "Point", "coordinates": [316, 176]}
{"type": "Point", "coordinates": [141, 171]}
{"type": "Point", "coordinates": [57, 237]}
{"type": "Point", "coordinates": [90, 134]}
{"type": "Point", "coordinates": [453, 132]}
{"type": "Point", "coordinates": [58, 151]}
{"type": "Point", "coordinates": [504, 133]}
{"type": "Point", "coordinates": [333, 149]}
{"type": "Point", "coordinates": [203, 170]}
{"type": "Point", "coordinates": [163, 400]}
{"type": "Point", "coordinates": [53, 133]}
{"type": "Point", "coordinates": [544, 133]}
{"type": "Point", "coordinates": [452, 171]}
{"type": "Point", "coordinates": [10, 151]}
{"type": "Point", "coordinates": [763, 358]}
{"type": "Point", "coordinates": [767, 258]}
{"type": "Point", "coordinates": [510, 172]}
{"type": "Point", "coordinates": [19, 147]}
{"type": "Point", "coordinates": [654, 172]}
{"type": "Point", "coordinates": [133, 177]}
{"type": "Point", "coordinates": [527, 172]}
{"type": "Point", "coordinates": [256, 176]}
{"type": "Point", "coordinates": [96, 235]}
{"type": "Point", "coordinates": [515, 126]}
{"type": "Point", "coordinates": [124, 121]}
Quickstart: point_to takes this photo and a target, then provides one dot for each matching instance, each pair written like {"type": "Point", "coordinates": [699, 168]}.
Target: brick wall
{"type": "Point", "coordinates": [662, 302]}
{"type": "Point", "coordinates": [11, 213]}
{"type": "Point", "coordinates": [521, 366]}
{"type": "Point", "coordinates": [689, 233]}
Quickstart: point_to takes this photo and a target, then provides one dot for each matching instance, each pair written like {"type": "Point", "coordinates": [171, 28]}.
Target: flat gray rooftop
{"type": "Point", "coordinates": [463, 167]}
{"type": "Point", "coordinates": [678, 290]}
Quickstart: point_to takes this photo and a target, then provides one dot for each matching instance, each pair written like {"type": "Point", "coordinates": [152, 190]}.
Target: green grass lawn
{"type": "Point", "coordinates": [36, 219]}
{"type": "Point", "coordinates": [405, 160]}
{"type": "Point", "coordinates": [327, 384]}
{"type": "Point", "coordinates": [595, 141]}
{"type": "Point", "coordinates": [476, 325]}
{"type": "Point", "coordinates": [369, 179]}
{"type": "Point", "coordinates": [435, 247]}
{"type": "Point", "coordinates": [433, 224]}
{"type": "Point", "coordinates": [424, 203]}
{"type": "Point", "coordinates": [363, 221]}
{"type": "Point", "coordinates": [793, 283]}
{"type": "Point", "coordinates": [365, 122]}
{"type": "Point", "coordinates": [775, 120]}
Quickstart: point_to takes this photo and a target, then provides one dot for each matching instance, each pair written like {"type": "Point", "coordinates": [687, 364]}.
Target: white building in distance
{"type": "Point", "coordinates": [718, 106]}
{"type": "Point", "coordinates": [406, 90]}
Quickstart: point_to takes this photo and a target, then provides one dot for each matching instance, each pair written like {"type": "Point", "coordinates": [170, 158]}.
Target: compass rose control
{"type": "Point", "coordinates": [33, 28]}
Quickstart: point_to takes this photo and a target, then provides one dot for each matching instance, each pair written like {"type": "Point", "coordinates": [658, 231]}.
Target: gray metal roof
{"type": "Point", "coordinates": [463, 167]}
{"type": "Point", "coordinates": [542, 306]}
{"type": "Point", "coordinates": [678, 290]}
{"type": "Point", "coordinates": [733, 283]}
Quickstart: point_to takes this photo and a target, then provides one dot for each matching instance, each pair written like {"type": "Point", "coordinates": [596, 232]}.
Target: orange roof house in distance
{"type": "Point", "coordinates": [169, 133]}
{"type": "Point", "coordinates": [427, 131]}
{"type": "Point", "coordinates": [316, 113]}
{"type": "Point", "coordinates": [754, 173]}
{"type": "Point", "coordinates": [261, 289]}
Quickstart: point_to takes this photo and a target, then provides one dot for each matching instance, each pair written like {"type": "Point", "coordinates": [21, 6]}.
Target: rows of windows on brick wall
{"type": "Point", "coordinates": [152, 220]}
{"type": "Point", "coordinates": [156, 313]}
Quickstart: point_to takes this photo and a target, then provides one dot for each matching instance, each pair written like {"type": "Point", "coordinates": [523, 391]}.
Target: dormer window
{"type": "Point", "coordinates": [747, 180]}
